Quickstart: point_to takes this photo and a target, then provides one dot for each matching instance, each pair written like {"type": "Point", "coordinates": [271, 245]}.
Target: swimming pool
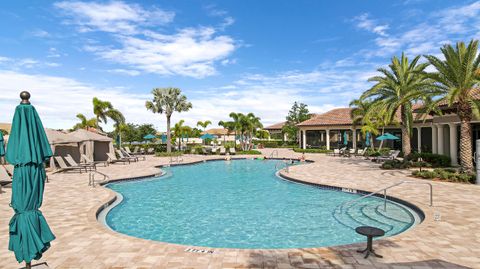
{"type": "Point", "coordinates": [243, 204]}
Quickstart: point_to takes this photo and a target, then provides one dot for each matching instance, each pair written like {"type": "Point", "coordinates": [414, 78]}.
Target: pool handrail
{"type": "Point", "coordinates": [274, 151]}
{"type": "Point", "coordinates": [91, 177]}
{"type": "Point", "coordinates": [284, 162]}
{"type": "Point", "coordinates": [384, 190]}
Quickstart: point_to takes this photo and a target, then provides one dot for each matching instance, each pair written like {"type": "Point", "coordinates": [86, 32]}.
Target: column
{"type": "Point", "coordinates": [434, 139]}
{"type": "Point", "coordinates": [453, 143]}
{"type": "Point", "coordinates": [354, 138]}
{"type": "Point", "coordinates": [299, 135]}
{"type": "Point", "coordinates": [440, 139]}
{"type": "Point", "coordinates": [304, 146]}
{"type": "Point", "coordinates": [328, 139]}
{"type": "Point", "coordinates": [285, 137]}
{"type": "Point", "coordinates": [419, 139]}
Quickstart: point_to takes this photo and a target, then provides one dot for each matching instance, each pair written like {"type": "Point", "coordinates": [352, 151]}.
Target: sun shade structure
{"type": "Point", "coordinates": [28, 149]}
{"type": "Point", "coordinates": [367, 139]}
{"type": "Point", "coordinates": [94, 146]}
{"type": "Point", "coordinates": [149, 137]}
{"type": "Point", "coordinates": [387, 136]}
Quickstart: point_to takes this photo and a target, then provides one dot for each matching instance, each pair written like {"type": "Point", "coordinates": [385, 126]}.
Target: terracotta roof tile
{"type": "Point", "coordinates": [275, 126]}
{"type": "Point", "coordinates": [338, 116]}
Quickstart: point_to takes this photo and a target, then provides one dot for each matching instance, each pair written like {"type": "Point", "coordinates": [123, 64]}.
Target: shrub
{"type": "Point", "coordinates": [377, 152]}
{"type": "Point", "coordinates": [249, 152]}
{"type": "Point", "coordinates": [395, 164]}
{"type": "Point", "coordinates": [320, 150]}
{"type": "Point", "coordinates": [436, 160]}
{"type": "Point", "coordinates": [172, 154]}
{"type": "Point", "coordinates": [446, 174]}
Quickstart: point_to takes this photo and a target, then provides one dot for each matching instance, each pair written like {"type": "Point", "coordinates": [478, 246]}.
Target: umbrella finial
{"type": "Point", "coordinates": [25, 97]}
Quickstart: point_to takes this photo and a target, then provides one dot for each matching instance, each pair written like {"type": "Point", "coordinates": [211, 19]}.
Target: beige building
{"type": "Point", "coordinates": [275, 131]}
{"type": "Point", "coordinates": [437, 134]}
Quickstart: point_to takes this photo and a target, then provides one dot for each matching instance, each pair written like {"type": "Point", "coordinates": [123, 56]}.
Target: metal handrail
{"type": "Point", "coordinates": [384, 190]}
{"type": "Point", "coordinates": [286, 166]}
{"type": "Point", "coordinates": [91, 178]}
{"type": "Point", "coordinates": [178, 157]}
{"type": "Point", "coordinates": [275, 151]}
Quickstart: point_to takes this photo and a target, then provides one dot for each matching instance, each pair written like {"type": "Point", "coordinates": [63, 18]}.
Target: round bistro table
{"type": "Point", "coordinates": [370, 233]}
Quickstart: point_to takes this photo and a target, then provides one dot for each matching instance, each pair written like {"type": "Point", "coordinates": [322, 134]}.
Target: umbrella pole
{"type": "Point", "coordinates": [28, 265]}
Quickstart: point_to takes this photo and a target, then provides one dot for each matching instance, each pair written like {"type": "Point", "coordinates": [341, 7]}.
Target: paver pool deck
{"type": "Point", "coordinates": [70, 206]}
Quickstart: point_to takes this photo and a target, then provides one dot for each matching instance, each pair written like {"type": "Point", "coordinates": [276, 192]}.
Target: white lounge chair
{"type": "Point", "coordinates": [112, 158]}
{"type": "Point", "coordinates": [73, 163]}
{"type": "Point", "coordinates": [64, 167]}
{"type": "Point", "coordinates": [128, 155]}
{"type": "Point", "coordinates": [120, 154]}
{"type": "Point", "coordinates": [87, 160]}
{"type": "Point", "coordinates": [391, 156]}
{"type": "Point", "coordinates": [232, 151]}
{"type": "Point", "coordinates": [223, 151]}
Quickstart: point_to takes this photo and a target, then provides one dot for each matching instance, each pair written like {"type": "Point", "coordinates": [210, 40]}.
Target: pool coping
{"type": "Point", "coordinates": [113, 198]}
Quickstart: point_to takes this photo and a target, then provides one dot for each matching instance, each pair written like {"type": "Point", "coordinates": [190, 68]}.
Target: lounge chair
{"type": "Point", "coordinates": [336, 152]}
{"type": "Point", "coordinates": [150, 151]}
{"type": "Point", "coordinates": [5, 178]}
{"type": "Point", "coordinates": [131, 155]}
{"type": "Point", "coordinates": [361, 152]}
{"type": "Point", "coordinates": [232, 151]}
{"type": "Point", "coordinates": [134, 152]}
{"type": "Point", "coordinates": [392, 155]}
{"type": "Point", "coordinates": [112, 158]}
{"type": "Point", "coordinates": [73, 163]}
{"type": "Point", "coordinates": [64, 167]}
{"type": "Point", "coordinates": [122, 156]}
{"type": "Point", "coordinates": [223, 151]}
{"type": "Point", "coordinates": [204, 151]}
{"type": "Point", "coordinates": [89, 161]}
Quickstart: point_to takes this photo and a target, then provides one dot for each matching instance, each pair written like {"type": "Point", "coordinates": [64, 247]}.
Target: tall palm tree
{"type": "Point", "coordinates": [248, 126]}
{"type": "Point", "coordinates": [236, 125]}
{"type": "Point", "coordinates": [457, 76]}
{"type": "Point", "coordinates": [100, 109]}
{"type": "Point", "coordinates": [166, 101]}
{"type": "Point", "coordinates": [397, 88]}
{"type": "Point", "coordinates": [360, 117]}
{"type": "Point", "coordinates": [119, 120]}
{"type": "Point", "coordinates": [204, 124]}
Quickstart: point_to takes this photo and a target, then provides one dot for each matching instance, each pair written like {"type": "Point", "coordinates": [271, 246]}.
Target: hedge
{"type": "Point", "coordinates": [435, 160]}
{"type": "Point", "coordinates": [446, 174]}
{"type": "Point", "coordinates": [312, 150]}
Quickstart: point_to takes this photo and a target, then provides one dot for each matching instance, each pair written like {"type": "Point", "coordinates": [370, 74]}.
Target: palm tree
{"type": "Point", "coordinates": [119, 120]}
{"type": "Point", "coordinates": [84, 122]}
{"type": "Point", "coordinates": [360, 117]}
{"type": "Point", "coordinates": [247, 125]}
{"type": "Point", "coordinates": [204, 124]}
{"type": "Point", "coordinates": [399, 86]}
{"type": "Point", "coordinates": [179, 130]}
{"type": "Point", "coordinates": [456, 77]}
{"type": "Point", "coordinates": [168, 100]}
{"type": "Point", "coordinates": [230, 126]}
{"type": "Point", "coordinates": [100, 109]}
{"type": "Point", "coordinates": [235, 123]}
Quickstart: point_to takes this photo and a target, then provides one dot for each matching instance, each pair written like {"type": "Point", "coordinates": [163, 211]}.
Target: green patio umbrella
{"type": "Point", "coordinates": [149, 137]}
{"type": "Point", "coordinates": [207, 136]}
{"type": "Point", "coordinates": [387, 136]}
{"type": "Point", "coordinates": [2, 145]}
{"type": "Point", "coordinates": [27, 150]}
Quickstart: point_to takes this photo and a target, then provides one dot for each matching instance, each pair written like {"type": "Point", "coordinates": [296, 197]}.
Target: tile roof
{"type": "Point", "coordinates": [218, 131]}
{"type": "Point", "coordinates": [275, 126]}
{"type": "Point", "coordinates": [337, 116]}
{"type": "Point", "coordinates": [474, 93]}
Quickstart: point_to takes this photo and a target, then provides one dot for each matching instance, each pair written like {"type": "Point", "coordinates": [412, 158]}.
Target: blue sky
{"type": "Point", "coordinates": [242, 56]}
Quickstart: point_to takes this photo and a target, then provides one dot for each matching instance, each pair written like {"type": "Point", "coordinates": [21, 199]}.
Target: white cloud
{"type": "Point", "coordinates": [40, 33]}
{"type": "Point", "coordinates": [114, 16]}
{"type": "Point", "coordinates": [191, 52]}
{"type": "Point", "coordinates": [449, 25]}
{"type": "Point", "coordinates": [125, 72]}
{"type": "Point", "coordinates": [364, 22]}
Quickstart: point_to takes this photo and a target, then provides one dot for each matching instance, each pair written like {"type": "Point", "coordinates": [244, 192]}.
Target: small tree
{"type": "Point", "coordinates": [298, 113]}
{"type": "Point", "coordinates": [166, 101]}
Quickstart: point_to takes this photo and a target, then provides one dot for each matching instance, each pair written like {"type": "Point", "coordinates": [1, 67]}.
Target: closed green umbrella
{"type": "Point", "coordinates": [27, 150]}
{"type": "Point", "coordinates": [2, 145]}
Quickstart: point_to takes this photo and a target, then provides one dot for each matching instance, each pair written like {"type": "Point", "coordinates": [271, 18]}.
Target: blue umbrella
{"type": "Point", "coordinates": [207, 136]}
{"type": "Point", "coordinates": [367, 139]}
{"type": "Point", "coordinates": [164, 138]}
{"type": "Point", "coordinates": [345, 138]}
{"type": "Point", "coordinates": [149, 137]}
{"type": "Point", "coordinates": [387, 136]}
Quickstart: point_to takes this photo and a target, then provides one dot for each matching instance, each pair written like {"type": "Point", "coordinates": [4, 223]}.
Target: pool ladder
{"type": "Point", "coordinates": [274, 152]}
{"type": "Point", "coordinates": [286, 166]}
{"type": "Point", "coordinates": [91, 178]}
{"type": "Point", "coordinates": [384, 191]}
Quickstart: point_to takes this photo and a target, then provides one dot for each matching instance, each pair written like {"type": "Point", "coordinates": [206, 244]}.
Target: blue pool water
{"type": "Point", "coordinates": [243, 204]}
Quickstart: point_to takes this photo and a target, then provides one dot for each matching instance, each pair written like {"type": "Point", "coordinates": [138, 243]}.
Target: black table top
{"type": "Point", "coordinates": [369, 231]}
